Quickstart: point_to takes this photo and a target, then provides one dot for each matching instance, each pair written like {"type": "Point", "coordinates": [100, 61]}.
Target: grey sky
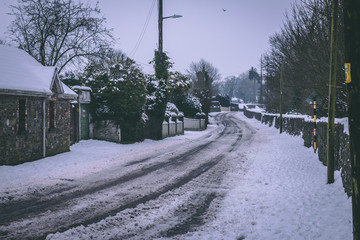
{"type": "Point", "coordinates": [232, 40]}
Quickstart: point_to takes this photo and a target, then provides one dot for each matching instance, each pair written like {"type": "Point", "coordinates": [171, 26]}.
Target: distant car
{"type": "Point", "coordinates": [242, 107]}
{"type": "Point", "coordinates": [215, 106]}
{"type": "Point", "coordinates": [234, 107]}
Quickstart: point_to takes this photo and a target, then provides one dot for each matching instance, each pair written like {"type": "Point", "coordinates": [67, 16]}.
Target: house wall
{"type": "Point", "coordinates": [15, 147]}
{"type": "Point", "coordinates": [58, 139]}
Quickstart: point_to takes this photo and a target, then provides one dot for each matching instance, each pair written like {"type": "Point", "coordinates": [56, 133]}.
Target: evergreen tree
{"type": "Point", "coordinates": [119, 92]}
{"type": "Point", "coordinates": [157, 94]}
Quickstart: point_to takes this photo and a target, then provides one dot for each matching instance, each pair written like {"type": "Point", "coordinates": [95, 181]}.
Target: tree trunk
{"type": "Point", "coordinates": [281, 97]}
{"type": "Point", "coordinates": [254, 90]}
{"type": "Point", "coordinates": [352, 53]}
{"type": "Point", "coordinates": [332, 92]}
{"type": "Point", "coordinates": [156, 127]}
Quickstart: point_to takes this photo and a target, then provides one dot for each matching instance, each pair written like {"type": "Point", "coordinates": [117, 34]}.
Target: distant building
{"type": "Point", "coordinates": [34, 109]}
{"type": "Point", "coordinates": [81, 128]}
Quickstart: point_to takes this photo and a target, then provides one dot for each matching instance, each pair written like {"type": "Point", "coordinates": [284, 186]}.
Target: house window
{"type": "Point", "coordinates": [22, 115]}
{"type": "Point", "coordinates": [52, 115]}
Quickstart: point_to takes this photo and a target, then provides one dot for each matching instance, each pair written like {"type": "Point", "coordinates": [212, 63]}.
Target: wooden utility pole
{"type": "Point", "coordinates": [160, 26]}
{"type": "Point", "coordinates": [261, 81]}
{"type": "Point", "coordinates": [352, 56]}
{"type": "Point", "coordinates": [281, 96]}
{"type": "Point", "coordinates": [332, 92]}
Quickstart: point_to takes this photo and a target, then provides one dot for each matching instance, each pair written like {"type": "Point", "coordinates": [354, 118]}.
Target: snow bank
{"type": "Point", "coordinates": [283, 195]}
{"type": "Point", "coordinates": [85, 158]}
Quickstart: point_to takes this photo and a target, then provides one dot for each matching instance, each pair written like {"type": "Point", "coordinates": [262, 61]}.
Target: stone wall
{"type": "Point", "coordinates": [58, 138]}
{"type": "Point", "coordinates": [301, 127]}
{"type": "Point", "coordinates": [107, 130]}
{"type": "Point", "coordinates": [19, 147]}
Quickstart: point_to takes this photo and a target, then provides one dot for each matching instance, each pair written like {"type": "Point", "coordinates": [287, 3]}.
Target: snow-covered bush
{"type": "Point", "coordinates": [189, 105]}
{"type": "Point", "coordinates": [172, 108]}
{"type": "Point", "coordinates": [156, 95]}
{"type": "Point", "coordinates": [155, 105]}
{"type": "Point", "coordinates": [178, 84]}
{"type": "Point", "coordinates": [200, 115]}
{"type": "Point", "coordinates": [171, 111]}
{"type": "Point", "coordinates": [119, 92]}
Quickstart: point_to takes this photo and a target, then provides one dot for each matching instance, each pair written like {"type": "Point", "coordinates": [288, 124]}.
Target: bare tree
{"type": "Point", "coordinates": [302, 46]}
{"type": "Point", "coordinates": [204, 76]}
{"type": "Point", "coordinates": [253, 75]}
{"type": "Point", "coordinates": [58, 32]}
{"type": "Point", "coordinates": [197, 72]}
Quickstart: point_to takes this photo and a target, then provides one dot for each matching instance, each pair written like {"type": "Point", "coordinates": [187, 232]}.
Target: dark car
{"type": "Point", "coordinates": [215, 106]}
{"type": "Point", "coordinates": [234, 107]}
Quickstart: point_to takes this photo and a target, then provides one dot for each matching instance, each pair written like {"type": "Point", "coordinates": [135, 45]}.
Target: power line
{"type": "Point", "coordinates": [132, 53]}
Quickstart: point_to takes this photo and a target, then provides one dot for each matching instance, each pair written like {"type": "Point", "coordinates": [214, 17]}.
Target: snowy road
{"type": "Point", "coordinates": [181, 183]}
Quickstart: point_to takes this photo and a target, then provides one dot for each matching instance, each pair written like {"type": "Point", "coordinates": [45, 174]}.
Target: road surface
{"type": "Point", "coordinates": [163, 195]}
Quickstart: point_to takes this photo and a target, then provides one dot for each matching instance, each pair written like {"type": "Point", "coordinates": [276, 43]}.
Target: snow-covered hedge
{"type": "Point", "coordinates": [189, 105]}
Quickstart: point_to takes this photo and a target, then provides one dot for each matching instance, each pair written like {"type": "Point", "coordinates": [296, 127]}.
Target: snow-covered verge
{"type": "Point", "coordinates": [303, 125]}
{"type": "Point", "coordinates": [85, 158]}
{"type": "Point", "coordinates": [276, 188]}
{"type": "Point", "coordinates": [283, 194]}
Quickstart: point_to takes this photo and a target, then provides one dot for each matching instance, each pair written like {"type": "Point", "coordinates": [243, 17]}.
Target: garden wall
{"type": "Point", "coordinates": [172, 128]}
{"type": "Point", "coordinates": [191, 124]}
{"type": "Point", "coordinates": [107, 130]}
{"type": "Point", "coordinates": [298, 126]}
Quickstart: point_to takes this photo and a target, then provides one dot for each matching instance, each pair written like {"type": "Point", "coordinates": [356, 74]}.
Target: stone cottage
{"type": "Point", "coordinates": [34, 109]}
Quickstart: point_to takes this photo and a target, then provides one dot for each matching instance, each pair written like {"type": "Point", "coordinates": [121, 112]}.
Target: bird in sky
{"type": "Point", "coordinates": [224, 10]}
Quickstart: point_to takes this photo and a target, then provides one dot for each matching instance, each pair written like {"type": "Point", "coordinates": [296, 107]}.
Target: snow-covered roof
{"type": "Point", "coordinates": [20, 73]}
{"type": "Point", "coordinates": [82, 88]}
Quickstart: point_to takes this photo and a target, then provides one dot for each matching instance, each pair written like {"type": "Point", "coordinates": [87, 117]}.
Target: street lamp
{"type": "Point", "coordinates": [173, 16]}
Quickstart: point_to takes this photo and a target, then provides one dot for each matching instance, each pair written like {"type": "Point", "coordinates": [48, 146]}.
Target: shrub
{"type": "Point", "coordinates": [189, 105]}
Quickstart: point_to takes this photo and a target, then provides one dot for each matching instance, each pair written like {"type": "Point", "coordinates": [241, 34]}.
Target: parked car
{"type": "Point", "coordinates": [215, 106]}
{"type": "Point", "coordinates": [234, 107]}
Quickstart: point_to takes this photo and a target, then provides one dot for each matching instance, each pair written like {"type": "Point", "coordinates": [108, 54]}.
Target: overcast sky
{"type": "Point", "coordinates": [232, 40]}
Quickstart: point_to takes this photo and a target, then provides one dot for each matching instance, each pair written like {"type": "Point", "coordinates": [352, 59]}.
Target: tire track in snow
{"type": "Point", "coordinates": [25, 209]}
